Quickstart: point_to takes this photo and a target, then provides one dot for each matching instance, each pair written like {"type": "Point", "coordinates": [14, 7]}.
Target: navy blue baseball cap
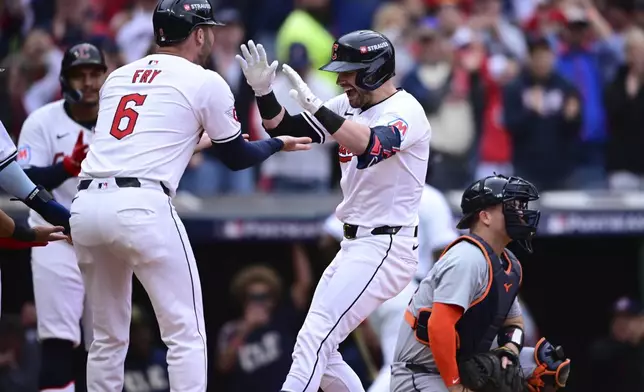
{"type": "Point", "coordinates": [298, 56]}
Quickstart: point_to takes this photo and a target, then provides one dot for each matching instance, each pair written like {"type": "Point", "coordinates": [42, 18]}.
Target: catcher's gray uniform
{"type": "Point", "coordinates": [405, 380]}
{"type": "Point", "coordinates": [460, 277]}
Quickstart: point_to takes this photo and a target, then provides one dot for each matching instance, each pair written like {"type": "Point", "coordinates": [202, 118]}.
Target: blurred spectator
{"type": "Point", "coordinates": [255, 350]}
{"type": "Point", "coordinates": [543, 114]}
{"type": "Point", "coordinates": [450, 18]}
{"type": "Point", "coordinates": [40, 66]}
{"type": "Point", "coordinates": [19, 358]}
{"type": "Point", "coordinates": [113, 56]}
{"type": "Point", "coordinates": [351, 15]}
{"type": "Point", "coordinates": [206, 175]}
{"type": "Point", "coordinates": [441, 84]}
{"type": "Point", "coordinates": [308, 24]}
{"type": "Point", "coordinates": [489, 74]}
{"type": "Point", "coordinates": [134, 36]}
{"type": "Point", "coordinates": [638, 13]}
{"type": "Point", "coordinates": [617, 360]}
{"type": "Point", "coordinates": [624, 102]}
{"type": "Point", "coordinates": [500, 36]}
{"type": "Point", "coordinates": [146, 369]}
{"type": "Point", "coordinates": [73, 21]}
{"type": "Point", "coordinates": [587, 63]}
{"type": "Point", "coordinates": [304, 171]}
{"type": "Point", "coordinates": [546, 20]}
{"type": "Point", "coordinates": [617, 14]}
{"type": "Point", "coordinates": [393, 21]}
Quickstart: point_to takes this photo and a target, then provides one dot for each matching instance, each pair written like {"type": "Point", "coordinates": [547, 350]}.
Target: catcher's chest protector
{"type": "Point", "coordinates": [480, 324]}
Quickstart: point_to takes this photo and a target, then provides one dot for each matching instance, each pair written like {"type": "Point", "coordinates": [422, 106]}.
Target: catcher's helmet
{"type": "Point", "coordinates": [368, 52]}
{"type": "Point", "coordinates": [84, 54]}
{"type": "Point", "coordinates": [174, 20]}
{"type": "Point", "coordinates": [513, 193]}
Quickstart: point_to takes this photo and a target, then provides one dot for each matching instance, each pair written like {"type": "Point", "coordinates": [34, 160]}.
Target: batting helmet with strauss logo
{"type": "Point", "coordinates": [369, 53]}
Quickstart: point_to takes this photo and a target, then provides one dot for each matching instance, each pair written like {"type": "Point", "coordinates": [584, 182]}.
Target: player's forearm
{"type": "Point", "coordinates": [49, 177]}
{"type": "Point", "coordinates": [238, 154]}
{"type": "Point", "coordinates": [442, 340]}
{"type": "Point", "coordinates": [350, 134]}
{"type": "Point", "coordinates": [278, 122]}
{"type": "Point", "coordinates": [14, 180]}
{"type": "Point", "coordinates": [271, 111]}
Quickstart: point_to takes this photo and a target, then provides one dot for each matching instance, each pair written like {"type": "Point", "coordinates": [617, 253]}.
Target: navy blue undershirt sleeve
{"type": "Point", "coordinates": [50, 177]}
{"type": "Point", "coordinates": [238, 154]}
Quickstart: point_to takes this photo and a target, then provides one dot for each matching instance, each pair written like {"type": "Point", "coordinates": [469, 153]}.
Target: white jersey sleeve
{"type": "Point", "coordinates": [7, 148]}
{"type": "Point", "coordinates": [409, 136]}
{"type": "Point", "coordinates": [215, 109]}
{"type": "Point", "coordinates": [33, 145]}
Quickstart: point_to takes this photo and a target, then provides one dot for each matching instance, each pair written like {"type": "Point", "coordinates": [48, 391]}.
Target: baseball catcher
{"type": "Point", "coordinates": [463, 327]}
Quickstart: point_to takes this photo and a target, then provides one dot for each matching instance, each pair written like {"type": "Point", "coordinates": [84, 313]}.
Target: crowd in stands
{"type": "Point", "coordinates": [546, 89]}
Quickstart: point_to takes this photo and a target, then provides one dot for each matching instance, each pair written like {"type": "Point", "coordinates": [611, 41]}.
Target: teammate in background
{"type": "Point", "coordinates": [477, 274]}
{"type": "Point", "coordinates": [384, 137]}
{"type": "Point", "coordinates": [435, 232]}
{"type": "Point", "coordinates": [53, 142]}
{"type": "Point", "coordinates": [152, 114]}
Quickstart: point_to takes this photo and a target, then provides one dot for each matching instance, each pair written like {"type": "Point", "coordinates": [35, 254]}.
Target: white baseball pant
{"type": "Point", "coordinates": [118, 232]}
{"type": "Point", "coordinates": [366, 272]}
{"type": "Point", "coordinates": [59, 293]}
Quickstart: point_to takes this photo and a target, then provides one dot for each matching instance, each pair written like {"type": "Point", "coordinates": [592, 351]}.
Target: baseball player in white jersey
{"type": "Point", "coordinates": [15, 181]}
{"type": "Point", "coordinates": [152, 114]}
{"type": "Point", "coordinates": [435, 232]}
{"type": "Point", "coordinates": [463, 328]}
{"type": "Point", "coordinates": [52, 144]}
{"type": "Point", "coordinates": [384, 137]}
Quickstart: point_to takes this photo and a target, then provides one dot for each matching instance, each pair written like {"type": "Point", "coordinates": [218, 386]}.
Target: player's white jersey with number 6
{"type": "Point", "coordinates": [389, 192]}
{"type": "Point", "coordinates": [152, 114]}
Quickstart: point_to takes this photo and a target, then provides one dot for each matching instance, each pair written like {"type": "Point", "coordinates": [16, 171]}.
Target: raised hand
{"type": "Point", "coordinates": [72, 163]}
{"type": "Point", "coordinates": [301, 91]}
{"type": "Point", "coordinates": [254, 64]}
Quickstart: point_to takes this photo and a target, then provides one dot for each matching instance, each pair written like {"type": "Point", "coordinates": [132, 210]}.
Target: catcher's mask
{"type": "Point", "coordinates": [514, 193]}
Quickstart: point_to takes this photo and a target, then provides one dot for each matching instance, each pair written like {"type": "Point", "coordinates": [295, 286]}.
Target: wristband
{"type": "Point", "coordinates": [24, 234]}
{"type": "Point", "coordinates": [331, 121]}
{"type": "Point", "coordinates": [268, 106]}
{"type": "Point", "coordinates": [511, 334]}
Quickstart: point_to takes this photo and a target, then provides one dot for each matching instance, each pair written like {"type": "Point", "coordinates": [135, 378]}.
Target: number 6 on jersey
{"type": "Point", "coordinates": [124, 112]}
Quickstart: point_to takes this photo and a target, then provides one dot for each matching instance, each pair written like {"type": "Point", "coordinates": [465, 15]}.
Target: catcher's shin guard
{"type": "Point", "coordinates": [552, 368]}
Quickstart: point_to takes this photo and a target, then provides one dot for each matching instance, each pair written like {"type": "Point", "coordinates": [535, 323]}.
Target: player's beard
{"type": "Point", "coordinates": [358, 98]}
{"type": "Point", "coordinates": [205, 51]}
